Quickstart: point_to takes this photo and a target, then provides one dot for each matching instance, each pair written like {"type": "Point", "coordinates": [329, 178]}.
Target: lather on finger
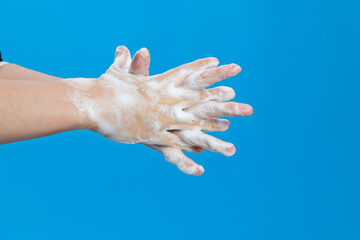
{"type": "Point", "coordinates": [178, 158]}
{"type": "Point", "coordinates": [190, 68]}
{"type": "Point", "coordinates": [122, 58]}
{"type": "Point", "coordinates": [207, 77]}
{"type": "Point", "coordinates": [174, 141]}
{"type": "Point", "coordinates": [220, 109]}
{"type": "Point", "coordinates": [206, 141]}
{"type": "Point", "coordinates": [221, 93]}
{"type": "Point", "coordinates": [207, 125]}
{"type": "Point", "coordinates": [214, 125]}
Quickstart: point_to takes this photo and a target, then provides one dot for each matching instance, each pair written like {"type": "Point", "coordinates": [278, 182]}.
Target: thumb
{"type": "Point", "coordinates": [141, 62]}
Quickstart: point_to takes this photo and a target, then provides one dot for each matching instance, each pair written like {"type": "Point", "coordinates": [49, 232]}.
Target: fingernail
{"type": "Point", "coordinates": [144, 51]}
{"type": "Point", "coordinates": [248, 110]}
{"type": "Point", "coordinates": [230, 150]}
{"type": "Point", "coordinates": [229, 91]}
{"type": "Point", "coordinates": [199, 171]}
{"type": "Point", "coordinates": [120, 49]}
{"type": "Point", "coordinates": [235, 67]}
{"type": "Point", "coordinates": [225, 124]}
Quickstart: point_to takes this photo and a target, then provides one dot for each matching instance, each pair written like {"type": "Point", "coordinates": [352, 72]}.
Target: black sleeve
{"type": "Point", "coordinates": [0, 57]}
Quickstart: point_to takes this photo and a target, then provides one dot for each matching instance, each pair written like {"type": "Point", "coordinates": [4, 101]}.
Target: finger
{"type": "Point", "coordinates": [207, 77]}
{"type": "Point", "coordinates": [185, 164]}
{"type": "Point", "coordinates": [171, 140]}
{"type": "Point", "coordinates": [186, 70]}
{"type": "Point", "coordinates": [201, 64]}
{"type": "Point", "coordinates": [141, 62]}
{"type": "Point", "coordinates": [122, 58]}
{"type": "Point", "coordinates": [206, 141]}
{"type": "Point", "coordinates": [220, 109]}
{"type": "Point", "coordinates": [186, 121]}
{"type": "Point", "coordinates": [214, 125]}
{"type": "Point", "coordinates": [196, 149]}
{"type": "Point", "coordinates": [217, 94]}
{"type": "Point", "coordinates": [177, 157]}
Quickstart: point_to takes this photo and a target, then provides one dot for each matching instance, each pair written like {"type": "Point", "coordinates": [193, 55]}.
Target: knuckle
{"type": "Point", "coordinates": [207, 93]}
{"type": "Point", "coordinates": [233, 107]}
{"type": "Point", "coordinates": [214, 124]}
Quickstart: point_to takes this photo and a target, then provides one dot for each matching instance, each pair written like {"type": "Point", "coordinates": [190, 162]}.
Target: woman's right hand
{"type": "Point", "coordinates": [213, 106]}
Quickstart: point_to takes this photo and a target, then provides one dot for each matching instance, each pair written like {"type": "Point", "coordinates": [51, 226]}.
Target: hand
{"type": "Point", "coordinates": [131, 108]}
{"type": "Point", "coordinates": [214, 106]}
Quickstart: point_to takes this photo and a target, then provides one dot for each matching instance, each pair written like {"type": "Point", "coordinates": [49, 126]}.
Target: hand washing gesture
{"type": "Point", "coordinates": [168, 112]}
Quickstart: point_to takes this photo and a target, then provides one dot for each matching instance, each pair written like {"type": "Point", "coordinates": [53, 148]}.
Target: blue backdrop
{"type": "Point", "coordinates": [296, 173]}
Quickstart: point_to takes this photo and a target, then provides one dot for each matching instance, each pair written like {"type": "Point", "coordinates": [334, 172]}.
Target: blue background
{"type": "Point", "coordinates": [296, 173]}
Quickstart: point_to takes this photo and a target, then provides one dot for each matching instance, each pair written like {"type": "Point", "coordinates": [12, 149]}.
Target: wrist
{"type": "Point", "coordinates": [82, 92]}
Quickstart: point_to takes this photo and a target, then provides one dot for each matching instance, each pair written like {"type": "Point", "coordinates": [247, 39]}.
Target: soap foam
{"type": "Point", "coordinates": [142, 109]}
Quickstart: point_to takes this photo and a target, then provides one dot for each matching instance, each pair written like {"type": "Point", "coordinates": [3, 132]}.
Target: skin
{"type": "Point", "coordinates": [32, 109]}
{"type": "Point", "coordinates": [47, 100]}
{"type": "Point", "coordinates": [212, 105]}
{"type": "Point", "coordinates": [15, 72]}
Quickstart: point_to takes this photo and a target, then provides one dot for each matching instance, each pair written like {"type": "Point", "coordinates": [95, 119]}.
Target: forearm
{"type": "Point", "coordinates": [15, 72]}
{"type": "Point", "coordinates": [31, 109]}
